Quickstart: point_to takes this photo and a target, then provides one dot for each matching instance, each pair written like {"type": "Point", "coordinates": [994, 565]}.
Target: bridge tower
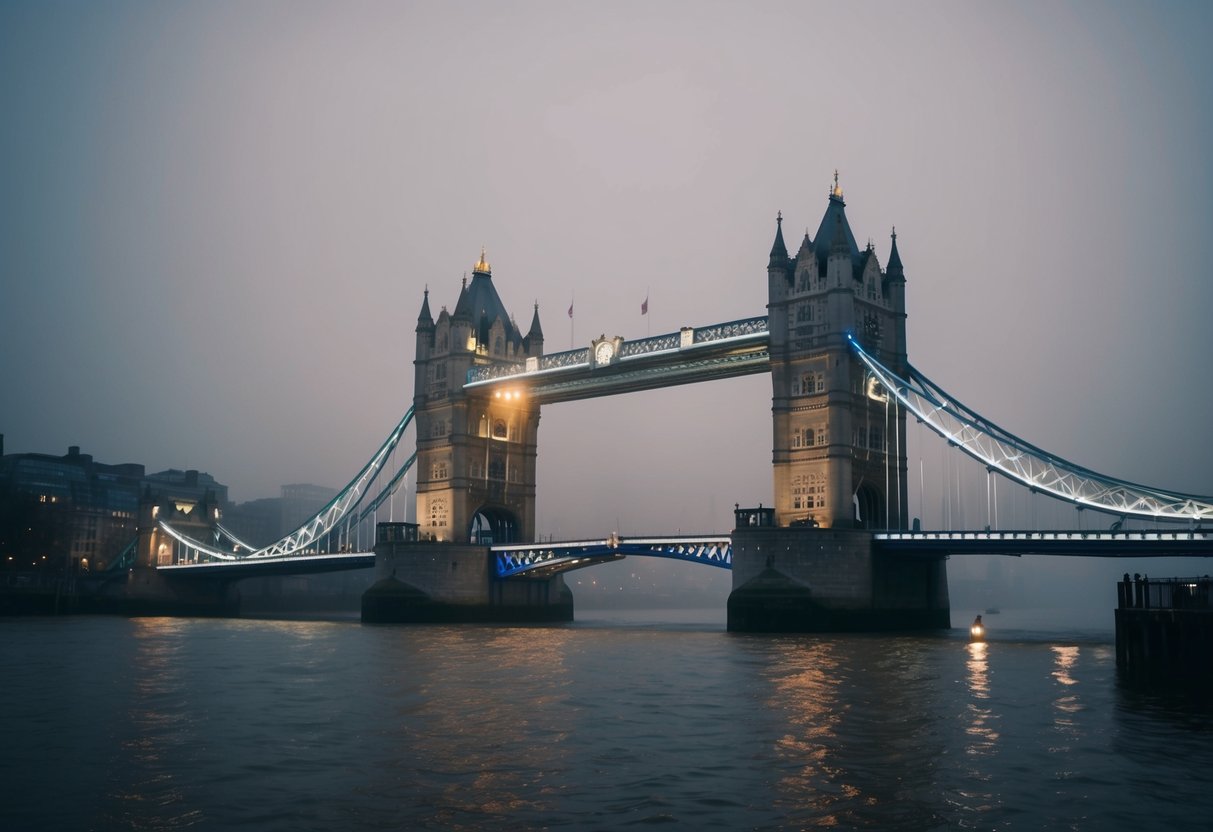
{"type": "Point", "coordinates": [838, 450]}
{"type": "Point", "coordinates": [475, 451]}
{"type": "Point", "coordinates": [839, 444]}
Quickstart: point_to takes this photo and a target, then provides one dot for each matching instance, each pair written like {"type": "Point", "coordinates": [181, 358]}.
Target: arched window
{"type": "Point", "coordinates": [499, 429]}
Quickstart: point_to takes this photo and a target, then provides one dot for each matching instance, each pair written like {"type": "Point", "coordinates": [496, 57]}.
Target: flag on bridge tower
{"type": "Point", "coordinates": [570, 309]}
{"type": "Point", "coordinates": [644, 307]}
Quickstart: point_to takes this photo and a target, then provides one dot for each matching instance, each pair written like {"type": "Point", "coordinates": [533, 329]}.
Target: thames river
{"type": "Point", "coordinates": [618, 721]}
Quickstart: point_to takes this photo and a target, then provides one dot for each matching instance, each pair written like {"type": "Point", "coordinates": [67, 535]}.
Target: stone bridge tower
{"type": "Point", "coordinates": [475, 452]}
{"type": "Point", "coordinates": [839, 446]}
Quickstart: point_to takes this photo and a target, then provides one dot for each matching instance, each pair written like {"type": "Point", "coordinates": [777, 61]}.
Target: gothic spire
{"type": "Point", "coordinates": [779, 251]}
{"type": "Point", "coordinates": [894, 267]}
{"type": "Point", "coordinates": [536, 330]}
{"type": "Point", "coordinates": [425, 320]}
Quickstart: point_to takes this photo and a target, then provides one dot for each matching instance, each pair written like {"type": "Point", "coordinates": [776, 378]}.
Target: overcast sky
{"type": "Point", "coordinates": [217, 220]}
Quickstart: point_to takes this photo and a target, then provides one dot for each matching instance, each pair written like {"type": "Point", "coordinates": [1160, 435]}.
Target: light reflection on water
{"type": "Point", "coordinates": [204, 724]}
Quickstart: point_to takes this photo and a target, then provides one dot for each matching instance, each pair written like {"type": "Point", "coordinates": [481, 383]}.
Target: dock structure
{"type": "Point", "coordinates": [1164, 629]}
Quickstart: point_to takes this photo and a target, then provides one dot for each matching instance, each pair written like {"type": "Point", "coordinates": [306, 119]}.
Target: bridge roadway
{"type": "Point", "coordinates": [261, 567]}
{"type": "Point", "coordinates": [542, 560]}
{"type": "Point", "coordinates": [1123, 544]}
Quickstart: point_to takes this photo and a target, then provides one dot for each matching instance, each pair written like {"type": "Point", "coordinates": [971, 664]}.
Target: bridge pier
{"type": "Point", "coordinates": [804, 579]}
{"type": "Point", "coordinates": [432, 582]}
{"type": "Point", "coordinates": [146, 591]}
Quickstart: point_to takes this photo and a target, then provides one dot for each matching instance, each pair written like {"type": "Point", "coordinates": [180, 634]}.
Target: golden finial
{"type": "Point", "coordinates": [482, 267]}
{"type": "Point", "coordinates": [837, 192]}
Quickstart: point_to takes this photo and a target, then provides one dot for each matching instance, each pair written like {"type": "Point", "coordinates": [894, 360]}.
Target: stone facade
{"type": "Point", "coordinates": [838, 445]}
{"type": "Point", "coordinates": [838, 450]}
{"type": "Point", "coordinates": [475, 451]}
{"type": "Point", "coordinates": [450, 582]}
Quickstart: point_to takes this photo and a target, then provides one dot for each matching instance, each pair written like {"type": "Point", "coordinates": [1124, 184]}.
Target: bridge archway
{"type": "Point", "coordinates": [493, 525]}
{"type": "Point", "coordinates": [869, 507]}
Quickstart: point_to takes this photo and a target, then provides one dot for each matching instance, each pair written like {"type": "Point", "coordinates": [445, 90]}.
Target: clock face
{"type": "Point", "coordinates": [604, 352]}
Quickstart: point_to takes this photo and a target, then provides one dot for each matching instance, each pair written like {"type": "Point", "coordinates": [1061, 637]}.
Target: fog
{"type": "Point", "coordinates": [217, 221]}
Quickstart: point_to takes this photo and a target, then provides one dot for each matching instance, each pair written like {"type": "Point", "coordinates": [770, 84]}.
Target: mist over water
{"type": "Point", "coordinates": [618, 719]}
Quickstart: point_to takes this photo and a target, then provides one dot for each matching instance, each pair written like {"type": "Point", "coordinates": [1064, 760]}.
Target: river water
{"type": "Point", "coordinates": [617, 721]}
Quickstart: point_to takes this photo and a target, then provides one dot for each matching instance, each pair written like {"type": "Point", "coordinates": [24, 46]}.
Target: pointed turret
{"type": "Point", "coordinates": [461, 305]}
{"type": "Point", "coordinates": [834, 224]}
{"type": "Point", "coordinates": [425, 321]}
{"type": "Point", "coordinates": [779, 251]}
{"type": "Point", "coordinates": [894, 268]}
{"type": "Point", "coordinates": [533, 343]}
{"type": "Point", "coordinates": [480, 304]}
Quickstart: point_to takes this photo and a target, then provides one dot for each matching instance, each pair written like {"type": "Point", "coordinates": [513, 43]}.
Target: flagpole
{"type": "Point", "coordinates": [648, 319]}
{"type": "Point", "coordinates": [572, 300]}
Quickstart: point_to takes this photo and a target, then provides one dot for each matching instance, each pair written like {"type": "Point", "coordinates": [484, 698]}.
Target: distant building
{"type": "Point", "coordinates": [186, 485]}
{"type": "Point", "coordinates": [301, 502]}
{"type": "Point", "coordinates": [65, 512]}
{"type": "Point", "coordinates": [256, 522]}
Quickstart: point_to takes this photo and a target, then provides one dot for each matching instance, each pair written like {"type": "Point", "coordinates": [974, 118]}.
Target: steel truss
{"type": "Point", "coordinates": [545, 560]}
{"type": "Point", "coordinates": [1038, 469]}
{"type": "Point", "coordinates": [722, 350]}
{"type": "Point", "coordinates": [324, 521]}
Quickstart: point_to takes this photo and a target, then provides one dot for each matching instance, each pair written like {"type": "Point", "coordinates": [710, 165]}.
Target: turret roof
{"type": "Point", "coordinates": [425, 319]}
{"type": "Point", "coordinates": [894, 266]}
{"type": "Point", "coordinates": [479, 303]}
{"type": "Point", "coordinates": [779, 251]}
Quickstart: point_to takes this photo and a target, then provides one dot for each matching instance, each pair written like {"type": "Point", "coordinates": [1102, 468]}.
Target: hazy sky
{"type": "Point", "coordinates": [217, 220]}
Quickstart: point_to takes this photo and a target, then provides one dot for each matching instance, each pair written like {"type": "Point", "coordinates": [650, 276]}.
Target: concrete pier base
{"type": "Point", "coordinates": [831, 580]}
{"type": "Point", "coordinates": [148, 592]}
{"type": "Point", "coordinates": [453, 583]}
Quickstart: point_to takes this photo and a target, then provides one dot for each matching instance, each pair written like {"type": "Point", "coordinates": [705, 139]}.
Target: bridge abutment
{"type": "Point", "coordinates": [802, 579]}
{"type": "Point", "coordinates": [431, 582]}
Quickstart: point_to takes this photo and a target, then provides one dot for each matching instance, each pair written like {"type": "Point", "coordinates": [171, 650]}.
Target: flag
{"type": "Point", "coordinates": [570, 310]}
{"type": "Point", "coordinates": [644, 307]}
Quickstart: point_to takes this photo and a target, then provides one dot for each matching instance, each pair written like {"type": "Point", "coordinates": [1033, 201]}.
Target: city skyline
{"type": "Point", "coordinates": [221, 224]}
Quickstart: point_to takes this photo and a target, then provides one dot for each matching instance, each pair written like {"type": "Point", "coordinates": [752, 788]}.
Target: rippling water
{"type": "Point", "coordinates": [143, 724]}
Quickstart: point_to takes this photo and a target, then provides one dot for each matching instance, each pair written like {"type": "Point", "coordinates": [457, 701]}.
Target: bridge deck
{"type": "Point", "coordinates": [725, 350]}
{"type": "Point", "coordinates": [258, 567]}
{"type": "Point", "coordinates": [1130, 544]}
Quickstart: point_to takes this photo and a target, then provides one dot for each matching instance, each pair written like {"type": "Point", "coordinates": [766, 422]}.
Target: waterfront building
{"type": "Point", "coordinates": [65, 512]}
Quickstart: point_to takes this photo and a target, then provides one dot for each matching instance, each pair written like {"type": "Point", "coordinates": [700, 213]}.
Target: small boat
{"type": "Point", "coordinates": [977, 632]}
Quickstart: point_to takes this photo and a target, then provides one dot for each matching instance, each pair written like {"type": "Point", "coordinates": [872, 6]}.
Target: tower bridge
{"type": "Point", "coordinates": [835, 551]}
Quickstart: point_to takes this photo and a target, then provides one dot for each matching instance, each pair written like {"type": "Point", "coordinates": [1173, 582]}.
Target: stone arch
{"type": "Point", "coordinates": [493, 524]}
{"type": "Point", "coordinates": [869, 507]}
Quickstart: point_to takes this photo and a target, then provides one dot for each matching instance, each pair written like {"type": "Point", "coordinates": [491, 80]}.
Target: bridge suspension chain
{"type": "Point", "coordinates": [1038, 469]}
{"type": "Point", "coordinates": [324, 521]}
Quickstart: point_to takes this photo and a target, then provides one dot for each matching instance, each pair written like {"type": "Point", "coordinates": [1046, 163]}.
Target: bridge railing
{"type": "Point", "coordinates": [687, 337]}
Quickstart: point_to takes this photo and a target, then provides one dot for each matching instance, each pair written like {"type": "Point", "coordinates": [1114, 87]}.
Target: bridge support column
{"type": "Point", "coordinates": [831, 580]}
{"type": "Point", "coordinates": [429, 582]}
{"type": "Point", "coordinates": [146, 591]}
